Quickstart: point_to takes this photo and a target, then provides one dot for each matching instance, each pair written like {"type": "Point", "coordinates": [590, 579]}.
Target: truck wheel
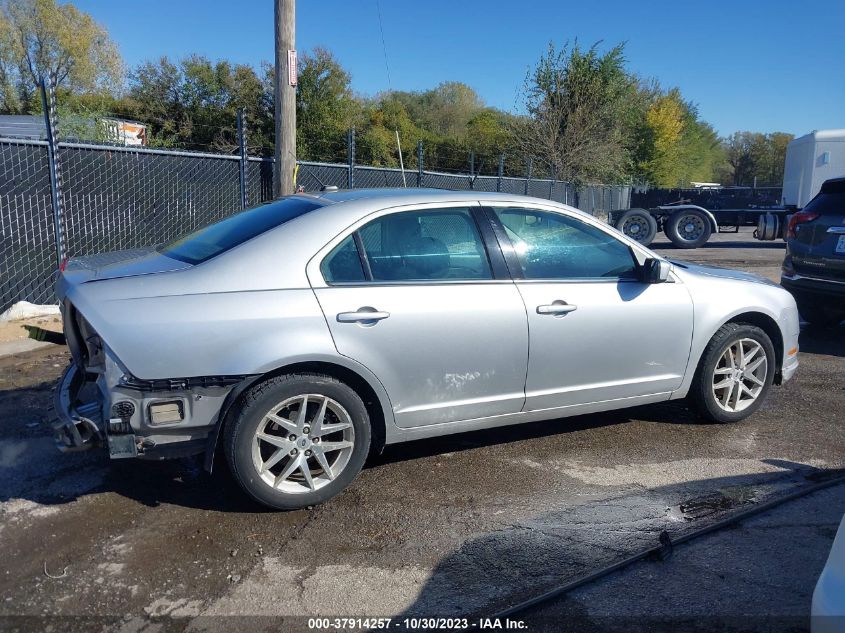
{"type": "Point", "coordinates": [639, 225]}
{"type": "Point", "coordinates": [735, 373]}
{"type": "Point", "coordinates": [688, 228]}
{"type": "Point", "coordinates": [768, 227]}
{"type": "Point", "coordinates": [297, 440]}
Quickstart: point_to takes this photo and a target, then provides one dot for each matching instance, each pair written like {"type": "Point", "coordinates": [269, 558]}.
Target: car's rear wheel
{"type": "Point", "coordinates": [688, 228]}
{"type": "Point", "coordinates": [298, 440]}
{"type": "Point", "coordinates": [735, 373]}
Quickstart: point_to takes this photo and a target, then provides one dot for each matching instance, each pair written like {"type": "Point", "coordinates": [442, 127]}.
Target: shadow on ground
{"type": "Point", "coordinates": [498, 570]}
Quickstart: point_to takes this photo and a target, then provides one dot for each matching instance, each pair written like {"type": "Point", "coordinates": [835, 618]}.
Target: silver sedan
{"type": "Point", "coordinates": [298, 336]}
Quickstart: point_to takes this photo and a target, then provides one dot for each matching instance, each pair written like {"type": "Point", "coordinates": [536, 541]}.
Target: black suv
{"type": "Point", "coordinates": [814, 266]}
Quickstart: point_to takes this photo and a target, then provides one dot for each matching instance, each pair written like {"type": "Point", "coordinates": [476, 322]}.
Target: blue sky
{"type": "Point", "coordinates": [748, 64]}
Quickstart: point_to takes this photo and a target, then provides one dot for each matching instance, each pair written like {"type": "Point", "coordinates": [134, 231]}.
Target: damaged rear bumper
{"type": "Point", "coordinates": [77, 426]}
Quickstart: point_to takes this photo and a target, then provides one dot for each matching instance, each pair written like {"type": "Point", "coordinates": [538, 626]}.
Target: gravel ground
{"type": "Point", "coordinates": [460, 525]}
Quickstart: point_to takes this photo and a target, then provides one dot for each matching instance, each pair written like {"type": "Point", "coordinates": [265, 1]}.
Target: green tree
{"type": "Point", "coordinates": [665, 121]}
{"type": "Point", "coordinates": [754, 157]}
{"type": "Point", "coordinates": [383, 118]}
{"type": "Point", "coordinates": [444, 111]}
{"type": "Point", "coordinates": [674, 146]}
{"type": "Point", "coordinates": [325, 107]}
{"type": "Point", "coordinates": [579, 104]}
{"type": "Point", "coordinates": [9, 98]}
{"type": "Point", "coordinates": [701, 149]}
{"type": "Point", "coordinates": [740, 158]}
{"type": "Point", "coordinates": [194, 103]}
{"type": "Point", "coordinates": [769, 154]}
{"type": "Point", "coordinates": [58, 43]}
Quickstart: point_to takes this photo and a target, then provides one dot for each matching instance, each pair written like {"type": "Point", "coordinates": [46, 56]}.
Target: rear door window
{"type": "Point", "coordinates": [425, 245]}
{"type": "Point", "coordinates": [343, 264]}
{"type": "Point", "coordinates": [429, 245]}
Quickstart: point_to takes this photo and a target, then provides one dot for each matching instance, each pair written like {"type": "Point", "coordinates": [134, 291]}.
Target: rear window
{"type": "Point", "coordinates": [830, 201]}
{"type": "Point", "coordinates": [210, 241]}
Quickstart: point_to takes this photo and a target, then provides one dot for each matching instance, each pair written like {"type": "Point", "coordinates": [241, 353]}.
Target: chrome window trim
{"type": "Point", "coordinates": [416, 282]}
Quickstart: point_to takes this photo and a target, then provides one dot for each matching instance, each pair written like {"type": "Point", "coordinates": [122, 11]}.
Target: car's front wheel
{"type": "Point", "coordinates": [297, 440]}
{"type": "Point", "coordinates": [734, 374]}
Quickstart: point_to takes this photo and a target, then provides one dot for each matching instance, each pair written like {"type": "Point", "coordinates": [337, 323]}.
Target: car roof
{"type": "Point", "coordinates": [400, 196]}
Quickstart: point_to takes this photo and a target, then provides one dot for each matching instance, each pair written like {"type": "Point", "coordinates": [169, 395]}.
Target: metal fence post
{"type": "Point", "coordinates": [472, 170]}
{"type": "Point", "coordinates": [419, 164]}
{"type": "Point", "coordinates": [528, 170]}
{"type": "Point", "coordinates": [501, 172]}
{"type": "Point", "coordinates": [48, 102]}
{"type": "Point", "coordinates": [350, 155]}
{"type": "Point", "coordinates": [242, 162]}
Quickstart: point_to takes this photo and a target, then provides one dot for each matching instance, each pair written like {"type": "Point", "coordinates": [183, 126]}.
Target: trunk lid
{"type": "Point", "coordinates": [116, 264]}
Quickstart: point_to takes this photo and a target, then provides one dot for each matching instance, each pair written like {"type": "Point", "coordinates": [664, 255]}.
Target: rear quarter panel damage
{"type": "Point", "coordinates": [210, 334]}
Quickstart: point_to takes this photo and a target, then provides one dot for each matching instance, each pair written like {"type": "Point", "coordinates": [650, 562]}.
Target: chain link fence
{"type": "Point", "coordinates": [118, 197]}
{"type": "Point", "coordinates": [27, 231]}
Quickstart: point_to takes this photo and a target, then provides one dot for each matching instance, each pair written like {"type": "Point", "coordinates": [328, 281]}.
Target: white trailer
{"type": "Point", "coordinates": [810, 160]}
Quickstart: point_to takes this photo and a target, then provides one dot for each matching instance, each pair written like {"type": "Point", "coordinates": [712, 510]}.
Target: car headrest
{"type": "Point", "coordinates": [427, 257]}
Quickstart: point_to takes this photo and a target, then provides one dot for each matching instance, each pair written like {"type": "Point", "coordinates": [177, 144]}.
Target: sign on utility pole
{"type": "Point", "coordinates": [285, 98]}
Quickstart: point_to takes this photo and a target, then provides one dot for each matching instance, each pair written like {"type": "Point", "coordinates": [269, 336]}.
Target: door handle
{"type": "Point", "coordinates": [362, 315]}
{"type": "Point", "coordinates": [557, 308]}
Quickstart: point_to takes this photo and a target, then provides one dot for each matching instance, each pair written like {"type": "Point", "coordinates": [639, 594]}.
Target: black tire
{"type": "Point", "coordinates": [701, 394]}
{"type": "Point", "coordinates": [240, 434]}
{"type": "Point", "coordinates": [639, 225]}
{"type": "Point", "coordinates": [818, 314]}
{"type": "Point", "coordinates": [688, 228]}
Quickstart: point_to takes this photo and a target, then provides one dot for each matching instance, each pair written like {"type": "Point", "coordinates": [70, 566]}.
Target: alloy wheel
{"type": "Point", "coordinates": [740, 375]}
{"type": "Point", "coordinates": [303, 443]}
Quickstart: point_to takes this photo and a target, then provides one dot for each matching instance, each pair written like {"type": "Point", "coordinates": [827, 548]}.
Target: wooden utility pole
{"type": "Point", "coordinates": [285, 97]}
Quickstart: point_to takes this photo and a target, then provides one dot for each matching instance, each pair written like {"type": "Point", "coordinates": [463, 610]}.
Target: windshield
{"type": "Point", "coordinates": [210, 241]}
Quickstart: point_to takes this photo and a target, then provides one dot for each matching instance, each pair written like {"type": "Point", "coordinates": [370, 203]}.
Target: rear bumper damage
{"type": "Point", "coordinates": [99, 402]}
{"type": "Point", "coordinates": [136, 418]}
{"type": "Point", "coordinates": [76, 427]}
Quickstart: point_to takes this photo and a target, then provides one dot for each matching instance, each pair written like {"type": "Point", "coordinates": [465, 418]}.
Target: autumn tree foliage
{"type": "Point", "coordinates": [585, 117]}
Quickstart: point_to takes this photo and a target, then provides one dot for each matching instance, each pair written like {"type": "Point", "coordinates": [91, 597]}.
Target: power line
{"type": "Point", "coordinates": [384, 46]}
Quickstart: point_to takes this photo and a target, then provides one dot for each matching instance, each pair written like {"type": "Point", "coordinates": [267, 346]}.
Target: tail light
{"type": "Point", "coordinates": [63, 265]}
{"type": "Point", "coordinates": [802, 217]}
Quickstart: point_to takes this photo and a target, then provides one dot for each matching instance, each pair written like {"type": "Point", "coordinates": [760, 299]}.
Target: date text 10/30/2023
{"type": "Point", "coordinates": [416, 624]}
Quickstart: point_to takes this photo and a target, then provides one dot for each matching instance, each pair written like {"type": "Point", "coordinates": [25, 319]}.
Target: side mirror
{"type": "Point", "coordinates": [655, 270]}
